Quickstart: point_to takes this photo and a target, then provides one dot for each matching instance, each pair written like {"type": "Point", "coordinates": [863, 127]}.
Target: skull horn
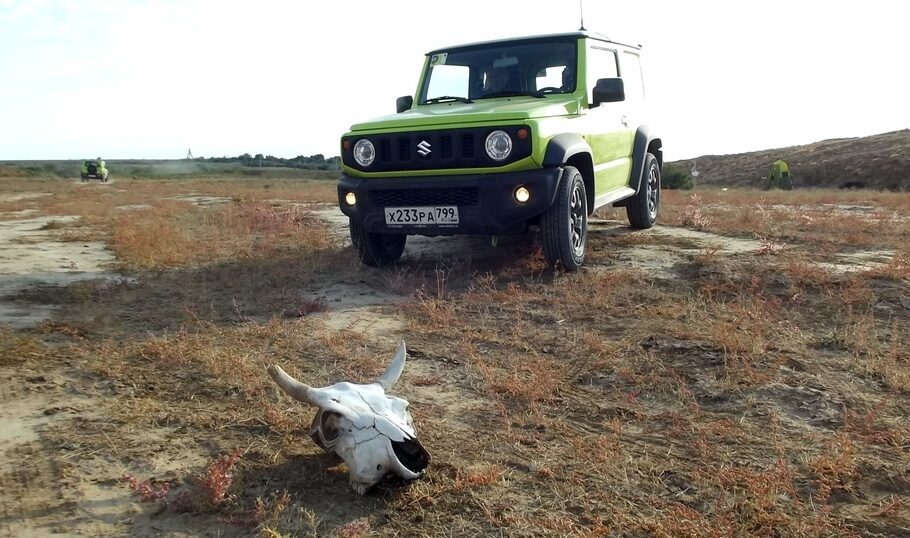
{"type": "Point", "coordinates": [295, 389]}
{"type": "Point", "coordinates": [388, 379]}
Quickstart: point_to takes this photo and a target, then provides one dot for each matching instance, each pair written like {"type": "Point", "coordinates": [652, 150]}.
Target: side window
{"type": "Point", "coordinates": [601, 64]}
{"type": "Point", "coordinates": [631, 76]}
{"type": "Point", "coordinates": [449, 80]}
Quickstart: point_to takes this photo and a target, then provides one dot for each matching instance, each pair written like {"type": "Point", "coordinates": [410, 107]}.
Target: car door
{"type": "Point", "coordinates": [608, 127]}
{"type": "Point", "coordinates": [633, 84]}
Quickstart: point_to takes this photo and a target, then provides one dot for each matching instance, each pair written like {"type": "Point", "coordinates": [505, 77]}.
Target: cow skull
{"type": "Point", "coordinates": [371, 431]}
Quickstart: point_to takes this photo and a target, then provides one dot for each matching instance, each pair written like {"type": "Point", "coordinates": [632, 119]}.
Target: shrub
{"type": "Point", "coordinates": [675, 177]}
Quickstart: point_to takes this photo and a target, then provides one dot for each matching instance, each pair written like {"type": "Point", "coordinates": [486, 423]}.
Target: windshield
{"type": "Point", "coordinates": [532, 68]}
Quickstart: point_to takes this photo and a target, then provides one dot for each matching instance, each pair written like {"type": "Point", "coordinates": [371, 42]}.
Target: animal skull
{"type": "Point", "coordinates": [371, 431]}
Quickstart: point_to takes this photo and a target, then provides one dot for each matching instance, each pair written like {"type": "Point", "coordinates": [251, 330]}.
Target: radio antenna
{"type": "Point", "coordinates": [581, 10]}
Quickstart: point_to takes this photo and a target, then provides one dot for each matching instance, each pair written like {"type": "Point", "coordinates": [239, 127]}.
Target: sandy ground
{"type": "Point", "coordinates": [31, 254]}
{"type": "Point", "coordinates": [70, 496]}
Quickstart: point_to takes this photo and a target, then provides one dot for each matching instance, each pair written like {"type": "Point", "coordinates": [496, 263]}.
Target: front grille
{"type": "Point", "coordinates": [467, 144]}
{"type": "Point", "coordinates": [404, 149]}
{"type": "Point", "coordinates": [464, 196]}
{"type": "Point", "coordinates": [429, 150]}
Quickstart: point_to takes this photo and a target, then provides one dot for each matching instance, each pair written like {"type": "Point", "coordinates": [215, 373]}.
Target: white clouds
{"type": "Point", "coordinates": [289, 77]}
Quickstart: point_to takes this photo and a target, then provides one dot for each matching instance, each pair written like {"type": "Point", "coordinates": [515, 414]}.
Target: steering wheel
{"type": "Point", "coordinates": [549, 88]}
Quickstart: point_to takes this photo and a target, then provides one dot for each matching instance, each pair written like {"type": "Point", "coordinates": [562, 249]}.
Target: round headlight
{"type": "Point", "coordinates": [350, 198]}
{"type": "Point", "coordinates": [364, 152]}
{"type": "Point", "coordinates": [499, 145]}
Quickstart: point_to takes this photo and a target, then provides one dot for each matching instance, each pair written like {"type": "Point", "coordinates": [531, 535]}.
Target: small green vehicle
{"type": "Point", "coordinates": [506, 137]}
{"type": "Point", "coordinates": [94, 169]}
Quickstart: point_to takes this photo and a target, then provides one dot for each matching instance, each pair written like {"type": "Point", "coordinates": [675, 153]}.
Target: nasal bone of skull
{"type": "Point", "coordinates": [369, 460]}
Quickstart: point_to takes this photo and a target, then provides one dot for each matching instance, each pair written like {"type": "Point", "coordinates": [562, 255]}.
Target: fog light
{"type": "Point", "coordinates": [522, 194]}
{"type": "Point", "coordinates": [350, 198]}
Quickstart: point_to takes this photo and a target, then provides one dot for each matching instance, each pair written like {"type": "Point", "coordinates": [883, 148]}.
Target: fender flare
{"type": "Point", "coordinates": [643, 141]}
{"type": "Point", "coordinates": [567, 146]}
{"type": "Point", "coordinates": [562, 147]}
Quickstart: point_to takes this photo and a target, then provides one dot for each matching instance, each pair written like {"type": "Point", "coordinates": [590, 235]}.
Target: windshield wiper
{"type": "Point", "coordinates": [442, 98]}
{"type": "Point", "coordinates": [511, 94]}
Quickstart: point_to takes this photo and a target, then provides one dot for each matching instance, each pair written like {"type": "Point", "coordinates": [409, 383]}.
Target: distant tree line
{"type": "Point", "coordinates": [313, 162]}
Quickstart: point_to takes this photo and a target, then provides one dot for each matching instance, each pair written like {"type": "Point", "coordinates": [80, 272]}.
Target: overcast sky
{"type": "Point", "coordinates": [151, 79]}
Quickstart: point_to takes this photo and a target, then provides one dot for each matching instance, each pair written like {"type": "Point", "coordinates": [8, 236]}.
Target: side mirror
{"type": "Point", "coordinates": [404, 103]}
{"type": "Point", "coordinates": [608, 90]}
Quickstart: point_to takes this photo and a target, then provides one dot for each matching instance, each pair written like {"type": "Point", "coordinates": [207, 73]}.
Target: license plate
{"type": "Point", "coordinates": [421, 216]}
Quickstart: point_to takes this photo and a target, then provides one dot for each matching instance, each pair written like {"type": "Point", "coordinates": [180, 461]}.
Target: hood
{"type": "Point", "coordinates": [503, 109]}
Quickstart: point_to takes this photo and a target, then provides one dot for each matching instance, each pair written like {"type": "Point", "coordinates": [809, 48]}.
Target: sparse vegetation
{"type": "Point", "coordinates": [745, 377]}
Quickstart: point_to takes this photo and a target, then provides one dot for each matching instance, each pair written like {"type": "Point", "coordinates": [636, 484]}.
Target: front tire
{"type": "Point", "coordinates": [376, 249]}
{"type": "Point", "coordinates": [564, 226]}
{"type": "Point", "coordinates": [644, 207]}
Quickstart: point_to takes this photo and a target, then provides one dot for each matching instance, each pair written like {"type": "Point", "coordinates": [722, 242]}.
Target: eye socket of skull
{"type": "Point", "coordinates": [328, 427]}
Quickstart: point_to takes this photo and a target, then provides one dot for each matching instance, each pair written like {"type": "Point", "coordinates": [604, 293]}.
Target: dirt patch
{"type": "Point", "coordinates": [198, 199]}
{"type": "Point", "coordinates": [706, 240]}
{"type": "Point", "coordinates": [133, 207]}
{"type": "Point", "coordinates": [359, 308]}
{"type": "Point", "coordinates": [858, 261]}
{"type": "Point", "coordinates": [31, 254]}
{"type": "Point", "coordinates": [334, 219]}
{"type": "Point", "coordinates": [661, 251]}
{"type": "Point", "coordinates": [655, 261]}
{"type": "Point", "coordinates": [23, 196]}
{"type": "Point", "coordinates": [51, 483]}
{"type": "Point", "coordinates": [22, 213]}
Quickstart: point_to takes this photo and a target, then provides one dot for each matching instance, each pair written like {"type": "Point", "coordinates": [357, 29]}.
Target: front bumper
{"type": "Point", "coordinates": [485, 202]}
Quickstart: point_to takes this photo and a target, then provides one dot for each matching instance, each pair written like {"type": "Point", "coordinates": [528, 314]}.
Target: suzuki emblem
{"type": "Point", "coordinates": [424, 148]}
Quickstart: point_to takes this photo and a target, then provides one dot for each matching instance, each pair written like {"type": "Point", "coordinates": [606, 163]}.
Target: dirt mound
{"type": "Point", "coordinates": [876, 162]}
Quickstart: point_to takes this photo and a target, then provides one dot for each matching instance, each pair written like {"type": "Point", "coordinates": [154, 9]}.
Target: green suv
{"type": "Point", "coordinates": [94, 169]}
{"type": "Point", "coordinates": [532, 133]}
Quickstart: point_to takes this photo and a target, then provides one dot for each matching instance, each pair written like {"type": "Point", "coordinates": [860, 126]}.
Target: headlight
{"type": "Point", "coordinates": [499, 145]}
{"type": "Point", "coordinates": [364, 152]}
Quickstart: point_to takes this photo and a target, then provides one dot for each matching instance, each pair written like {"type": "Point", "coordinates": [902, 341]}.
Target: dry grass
{"type": "Point", "coordinates": [839, 220]}
{"type": "Point", "coordinates": [176, 235]}
{"type": "Point", "coordinates": [16, 349]}
{"type": "Point", "coordinates": [752, 394]}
